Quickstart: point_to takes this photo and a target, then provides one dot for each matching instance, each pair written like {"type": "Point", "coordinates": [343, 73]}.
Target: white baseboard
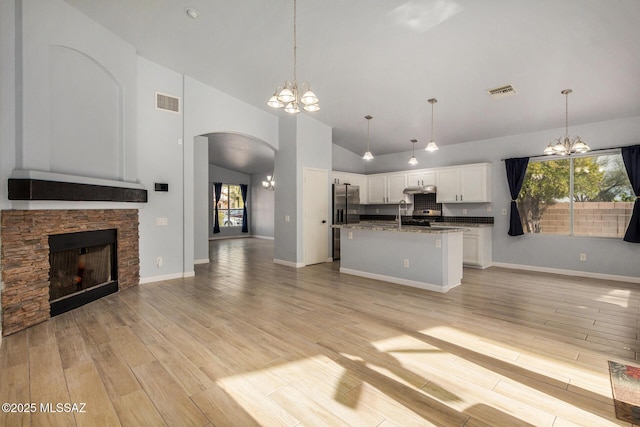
{"type": "Point", "coordinates": [288, 263]}
{"type": "Point", "coordinates": [163, 277]}
{"type": "Point", "coordinates": [264, 237]}
{"type": "Point", "coordinates": [201, 261]}
{"type": "Point", "coordinates": [243, 236]}
{"type": "Point", "coordinates": [399, 281]}
{"type": "Point", "coordinates": [576, 273]}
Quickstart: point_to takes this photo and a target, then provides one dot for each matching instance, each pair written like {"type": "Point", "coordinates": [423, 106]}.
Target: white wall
{"type": "Point", "coordinates": [314, 140]}
{"type": "Point", "coordinates": [160, 160]}
{"type": "Point", "coordinates": [7, 97]}
{"type": "Point", "coordinates": [304, 142]}
{"type": "Point", "coordinates": [344, 160]}
{"type": "Point", "coordinates": [208, 110]}
{"type": "Point", "coordinates": [604, 255]}
{"type": "Point", "coordinates": [71, 85]}
{"type": "Point", "coordinates": [262, 208]}
{"type": "Point", "coordinates": [201, 205]}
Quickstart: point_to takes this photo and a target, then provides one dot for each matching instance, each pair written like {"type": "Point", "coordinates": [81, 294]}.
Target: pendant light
{"type": "Point", "coordinates": [413, 161]}
{"type": "Point", "coordinates": [368, 155]}
{"type": "Point", "coordinates": [432, 146]}
{"type": "Point", "coordinates": [288, 95]}
{"type": "Point", "coordinates": [563, 146]}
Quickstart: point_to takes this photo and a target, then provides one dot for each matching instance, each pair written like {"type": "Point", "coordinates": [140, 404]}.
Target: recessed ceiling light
{"type": "Point", "coordinates": [192, 13]}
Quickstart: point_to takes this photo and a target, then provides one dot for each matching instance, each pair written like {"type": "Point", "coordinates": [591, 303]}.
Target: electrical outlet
{"type": "Point", "coordinates": [159, 261]}
{"type": "Point", "coordinates": [287, 218]}
{"type": "Point", "coordinates": [438, 243]}
{"type": "Point", "coordinates": [504, 211]}
{"type": "Point", "coordinates": [583, 257]}
{"type": "Point", "coordinates": [489, 209]}
{"type": "Point", "coordinates": [406, 263]}
{"type": "Point", "coordinates": [465, 212]}
{"type": "Point", "coordinates": [162, 221]}
{"type": "Point", "coordinates": [350, 235]}
{"type": "Point", "coordinates": [377, 210]}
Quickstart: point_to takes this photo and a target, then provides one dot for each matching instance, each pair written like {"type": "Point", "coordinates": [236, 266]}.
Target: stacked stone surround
{"type": "Point", "coordinates": [25, 256]}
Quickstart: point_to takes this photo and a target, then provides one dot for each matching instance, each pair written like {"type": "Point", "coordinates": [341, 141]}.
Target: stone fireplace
{"type": "Point", "coordinates": [26, 262]}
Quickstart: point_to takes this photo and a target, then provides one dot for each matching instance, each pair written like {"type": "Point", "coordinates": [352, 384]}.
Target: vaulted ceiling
{"type": "Point", "coordinates": [387, 57]}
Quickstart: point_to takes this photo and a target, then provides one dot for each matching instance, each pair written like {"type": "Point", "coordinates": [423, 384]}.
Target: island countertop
{"type": "Point", "coordinates": [422, 257]}
{"type": "Point", "coordinates": [436, 229]}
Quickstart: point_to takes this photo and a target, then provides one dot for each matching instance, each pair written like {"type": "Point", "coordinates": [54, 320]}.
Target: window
{"type": "Point", "coordinates": [230, 206]}
{"type": "Point", "coordinates": [577, 196]}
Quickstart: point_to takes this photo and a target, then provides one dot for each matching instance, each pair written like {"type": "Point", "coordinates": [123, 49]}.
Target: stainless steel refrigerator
{"type": "Point", "coordinates": [346, 210]}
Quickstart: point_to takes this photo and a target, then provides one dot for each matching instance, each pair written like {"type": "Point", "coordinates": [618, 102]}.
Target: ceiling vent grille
{"type": "Point", "coordinates": [167, 102]}
{"type": "Point", "coordinates": [501, 92]}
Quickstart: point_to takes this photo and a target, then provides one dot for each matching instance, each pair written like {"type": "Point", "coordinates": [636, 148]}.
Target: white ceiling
{"type": "Point", "coordinates": [387, 57]}
{"type": "Point", "coordinates": [240, 153]}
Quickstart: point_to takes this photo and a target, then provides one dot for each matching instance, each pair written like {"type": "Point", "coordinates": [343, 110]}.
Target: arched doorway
{"type": "Point", "coordinates": [234, 159]}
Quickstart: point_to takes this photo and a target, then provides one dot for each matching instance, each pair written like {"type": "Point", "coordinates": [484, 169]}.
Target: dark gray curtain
{"type": "Point", "coordinates": [516, 170]}
{"type": "Point", "coordinates": [217, 191]}
{"type": "Point", "coordinates": [245, 223]}
{"type": "Point", "coordinates": [631, 157]}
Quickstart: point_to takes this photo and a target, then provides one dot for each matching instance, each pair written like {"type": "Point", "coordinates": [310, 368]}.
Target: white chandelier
{"type": "Point", "coordinates": [368, 155]}
{"type": "Point", "coordinates": [563, 146]}
{"type": "Point", "coordinates": [270, 183]}
{"type": "Point", "coordinates": [288, 95]}
{"type": "Point", "coordinates": [432, 146]}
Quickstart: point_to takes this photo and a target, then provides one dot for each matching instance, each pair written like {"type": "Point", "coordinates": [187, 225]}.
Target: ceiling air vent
{"type": "Point", "coordinates": [167, 102]}
{"type": "Point", "coordinates": [501, 92]}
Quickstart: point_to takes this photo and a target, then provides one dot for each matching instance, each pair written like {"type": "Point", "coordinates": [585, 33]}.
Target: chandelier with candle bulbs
{"type": "Point", "coordinates": [564, 146]}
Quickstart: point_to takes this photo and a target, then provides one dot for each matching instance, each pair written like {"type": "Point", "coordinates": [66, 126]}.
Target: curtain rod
{"type": "Point", "coordinates": [579, 155]}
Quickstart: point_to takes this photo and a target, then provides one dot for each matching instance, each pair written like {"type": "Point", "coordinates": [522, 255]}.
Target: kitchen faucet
{"type": "Point", "coordinates": [400, 209]}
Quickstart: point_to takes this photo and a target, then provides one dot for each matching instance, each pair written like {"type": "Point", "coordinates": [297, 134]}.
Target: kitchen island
{"type": "Point", "coordinates": [423, 257]}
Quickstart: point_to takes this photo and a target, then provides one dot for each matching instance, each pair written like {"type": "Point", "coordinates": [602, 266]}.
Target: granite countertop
{"type": "Point", "coordinates": [461, 224]}
{"type": "Point", "coordinates": [387, 226]}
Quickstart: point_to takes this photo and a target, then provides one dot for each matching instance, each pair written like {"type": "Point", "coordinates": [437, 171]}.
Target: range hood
{"type": "Point", "coordinates": [427, 189]}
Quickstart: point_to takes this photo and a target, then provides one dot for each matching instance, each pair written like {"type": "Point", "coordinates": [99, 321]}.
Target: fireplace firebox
{"type": "Point", "coordinates": [83, 268]}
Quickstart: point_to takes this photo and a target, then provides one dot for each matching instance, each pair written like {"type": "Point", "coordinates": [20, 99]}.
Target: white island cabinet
{"type": "Point", "coordinates": [411, 256]}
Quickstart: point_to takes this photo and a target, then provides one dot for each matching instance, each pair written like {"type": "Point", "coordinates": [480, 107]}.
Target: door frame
{"type": "Point", "coordinates": [323, 174]}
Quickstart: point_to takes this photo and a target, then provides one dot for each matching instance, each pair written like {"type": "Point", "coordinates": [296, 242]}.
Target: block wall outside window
{"type": "Point", "coordinates": [582, 196]}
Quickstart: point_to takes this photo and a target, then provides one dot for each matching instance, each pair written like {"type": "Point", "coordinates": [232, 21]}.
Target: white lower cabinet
{"type": "Point", "coordinates": [476, 247]}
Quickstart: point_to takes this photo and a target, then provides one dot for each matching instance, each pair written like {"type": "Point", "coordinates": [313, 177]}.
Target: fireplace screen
{"type": "Point", "coordinates": [78, 269]}
{"type": "Point", "coordinates": [83, 268]}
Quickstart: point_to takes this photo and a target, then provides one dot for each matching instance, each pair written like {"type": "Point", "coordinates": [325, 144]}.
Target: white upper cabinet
{"type": "Point", "coordinates": [355, 179]}
{"type": "Point", "coordinates": [377, 189]}
{"type": "Point", "coordinates": [455, 184]}
{"type": "Point", "coordinates": [396, 183]}
{"type": "Point", "coordinates": [464, 184]}
{"type": "Point", "coordinates": [386, 188]}
{"type": "Point", "coordinates": [421, 178]}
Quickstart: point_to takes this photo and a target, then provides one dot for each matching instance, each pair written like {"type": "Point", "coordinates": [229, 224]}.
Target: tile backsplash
{"type": "Point", "coordinates": [426, 201]}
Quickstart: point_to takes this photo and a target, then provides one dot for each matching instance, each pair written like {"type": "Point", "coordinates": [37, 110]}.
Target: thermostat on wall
{"type": "Point", "coordinates": [161, 186]}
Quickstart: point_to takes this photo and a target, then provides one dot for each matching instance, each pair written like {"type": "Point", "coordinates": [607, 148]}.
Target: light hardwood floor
{"type": "Point", "coordinates": [248, 342]}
